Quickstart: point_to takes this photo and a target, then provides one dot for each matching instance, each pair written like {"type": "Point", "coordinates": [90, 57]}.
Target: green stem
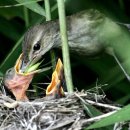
{"type": "Point", "coordinates": [48, 10]}
{"type": "Point", "coordinates": [48, 18]}
{"type": "Point", "coordinates": [65, 48]}
{"type": "Point", "coordinates": [26, 16]}
{"type": "Point", "coordinates": [121, 2]}
{"type": "Point", "coordinates": [8, 59]}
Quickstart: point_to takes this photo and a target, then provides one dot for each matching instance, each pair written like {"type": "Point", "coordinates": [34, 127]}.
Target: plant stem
{"type": "Point", "coordinates": [121, 3]}
{"type": "Point", "coordinates": [48, 18]}
{"type": "Point", "coordinates": [65, 48]}
{"type": "Point", "coordinates": [47, 10]}
{"type": "Point", "coordinates": [26, 16]}
{"type": "Point", "coordinates": [8, 59]}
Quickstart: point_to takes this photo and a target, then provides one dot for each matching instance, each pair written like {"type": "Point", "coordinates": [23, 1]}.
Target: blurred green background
{"type": "Point", "coordinates": [86, 72]}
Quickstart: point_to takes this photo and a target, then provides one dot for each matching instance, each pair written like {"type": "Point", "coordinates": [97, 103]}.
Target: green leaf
{"type": "Point", "coordinates": [124, 99]}
{"type": "Point", "coordinates": [1, 74]}
{"type": "Point", "coordinates": [33, 6]}
{"type": "Point", "coordinates": [91, 110]}
{"type": "Point", "coordinates": [12, 56]}
{"type": "Point", "coordinates": [9, 29]}
{"type": "Point", "coordinates": [119, 116]}
{"type": "Point", "coordinates": [10, 12]}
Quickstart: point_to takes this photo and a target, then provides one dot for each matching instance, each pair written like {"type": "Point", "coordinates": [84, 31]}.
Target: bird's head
{"type": "Point", "coordinates": [37, 41]}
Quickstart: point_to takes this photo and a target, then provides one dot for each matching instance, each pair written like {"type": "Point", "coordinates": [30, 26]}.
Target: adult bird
{"type": "Point", "coordinates": [89, 33]}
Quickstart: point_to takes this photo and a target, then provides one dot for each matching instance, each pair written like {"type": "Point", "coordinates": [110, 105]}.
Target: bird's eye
{"type": "Point", "coordinates": [36, 47]}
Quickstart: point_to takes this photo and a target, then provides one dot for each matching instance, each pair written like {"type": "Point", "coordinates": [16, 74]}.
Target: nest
{"type": "Point", "coordinates": [72, 112]}
{"type": "Point", "coordinates": [57, 111]}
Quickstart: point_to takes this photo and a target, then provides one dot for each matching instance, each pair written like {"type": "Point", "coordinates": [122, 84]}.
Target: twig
{"type": "Point", "coordinates": [93, 119]}
{"type": "Point", "coordinates": [11, 105]}
{"type": "Point", "coordinates": [74, 124]}
{"type": "Point", "coordinates": [97, 104]}
{"type": "Point", "coordinates": [103, 105]}
{"type": "Point", "coordinates": [66, 122]}
{"type": "Point", "coordinates": [65, 113]}
{"type": "Point", "coordinates": [34, 119]}
{"type": "Point", "coordinates": [5, 119]}
{"type": "Point", "coordinates": [6, 99]}
{"type": "Point", "coordinates": [62, 111]}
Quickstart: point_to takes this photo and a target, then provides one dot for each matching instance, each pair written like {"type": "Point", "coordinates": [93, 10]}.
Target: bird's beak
{"type": "Point", "coordinates": [28, 67]}
{"type": "Point", "coordinates": [21, 65]}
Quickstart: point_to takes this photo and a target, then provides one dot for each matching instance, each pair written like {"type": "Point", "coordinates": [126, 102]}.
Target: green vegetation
{"type": "Point", "coordinates": [16, 16]}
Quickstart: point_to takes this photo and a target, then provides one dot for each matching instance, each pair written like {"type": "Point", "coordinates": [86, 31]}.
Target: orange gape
{"type": "Point", "coordinates": [18, 82]}
{"type": "Point", "coordinates": [55, 87]}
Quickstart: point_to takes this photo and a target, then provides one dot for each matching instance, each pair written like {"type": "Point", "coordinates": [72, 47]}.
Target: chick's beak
{"type": "Point", "coordinates": [18, 82]}
{"type": "Point", "coordinates": [55, 89]}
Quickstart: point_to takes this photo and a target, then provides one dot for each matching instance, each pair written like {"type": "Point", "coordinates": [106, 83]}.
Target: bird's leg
{"type": "Point", "coordinates": [111, 52]}
{"type": "Point", "coordinates": [122, 68]}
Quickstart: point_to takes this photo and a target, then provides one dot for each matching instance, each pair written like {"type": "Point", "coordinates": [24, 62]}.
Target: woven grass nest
{"type": "Point", "coordinates": [58, 110]}
{"type": "Point", "coordinates": [72, 112]}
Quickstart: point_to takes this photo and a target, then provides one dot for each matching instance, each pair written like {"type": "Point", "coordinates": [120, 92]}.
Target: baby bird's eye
{"type": "Point", "coordinates": [36, 47]}
{"type": "Point", "coordinates": [9, 70]}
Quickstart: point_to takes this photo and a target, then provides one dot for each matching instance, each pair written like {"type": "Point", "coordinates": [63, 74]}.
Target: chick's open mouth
{"type": "Point", "coordinates": [18, 82]}
{"type": "Point", "coordinates": [30, 69]}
